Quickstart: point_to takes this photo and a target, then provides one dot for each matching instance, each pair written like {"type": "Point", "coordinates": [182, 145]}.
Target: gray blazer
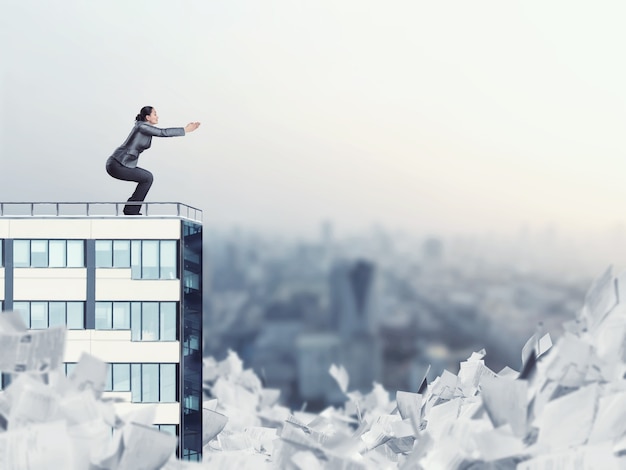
{"type": "Point", "coordinates": [140, 139]}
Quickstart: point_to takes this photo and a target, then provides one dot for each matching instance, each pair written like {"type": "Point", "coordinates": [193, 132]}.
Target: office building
{"type": "Point", "coordinates": [129, 290]}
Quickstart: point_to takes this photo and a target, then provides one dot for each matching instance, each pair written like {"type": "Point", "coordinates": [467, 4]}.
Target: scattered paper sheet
{"type": "Point", "coordinates": [212, 424]}
{"type": "Point", "coordinates": [568, 420]}
{"type": "Point", "coordinates": [22, 349]}
{"type": "Point", "coordinates": [145, 447]}
{"type": "Point", "coordinates": [610, 419]}
{"type": "Point", "coordinates": [89, 373]}
{"type": "Point", "coordinates": [506, 403]}
{"type": "Point", "coordinates": [601, 298]}
{"type": "Point", "coordinates": [341, 377]}
{"type": "Point", "coordinates": [582, 458]}
{"type": "Point", "coordinates": [37, 447]}
{"type": "Point", "coordinates": [410, 407]}
{"type": "Point", "coordinates": [499, 443]}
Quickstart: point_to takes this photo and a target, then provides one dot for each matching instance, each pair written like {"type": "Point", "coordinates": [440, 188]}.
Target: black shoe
{"type": "Point", "coordinates": [131, 212]}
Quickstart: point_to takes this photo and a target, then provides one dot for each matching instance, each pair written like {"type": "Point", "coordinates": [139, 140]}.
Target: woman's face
{"type": "Point", "coordinates": [153, 118]}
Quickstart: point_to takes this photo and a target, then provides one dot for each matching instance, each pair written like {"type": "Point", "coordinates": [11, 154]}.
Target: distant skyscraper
{"type": "Point", "coordinates": [316, 353]}
{"type": "Point", "coordinates": [351, 287]}
{"type": "Point", "coordinates": [129, 290]}
{"type": "Point", "coordinates": [352, 304]}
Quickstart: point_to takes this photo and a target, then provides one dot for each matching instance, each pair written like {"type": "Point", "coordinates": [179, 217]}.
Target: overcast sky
{"type": "Point", "coordinates": [448, 117]}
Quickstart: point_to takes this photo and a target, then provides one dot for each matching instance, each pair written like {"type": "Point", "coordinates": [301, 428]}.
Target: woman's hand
{"type": "Point", "coordinates": [192, 126]}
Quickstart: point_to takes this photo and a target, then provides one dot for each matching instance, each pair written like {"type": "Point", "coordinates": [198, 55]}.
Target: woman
{"type": "Point", "coordinates": [123, 163]}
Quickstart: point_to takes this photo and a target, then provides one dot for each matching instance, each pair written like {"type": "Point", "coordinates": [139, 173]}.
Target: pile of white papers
{"type": "Point", "coordinates": [565, 409]}
{"type": "Point", "coordinates": [50, 421]}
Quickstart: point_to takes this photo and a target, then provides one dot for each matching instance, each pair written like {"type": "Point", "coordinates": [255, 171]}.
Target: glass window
{"type": "Point", "coordinates": [154, 321]}
{"type": "Point", "coordinates": [135, 371]}
{"type": "Point", "coordinates": [39, 253]}
{"type": "Point", "coordinates": [191, 281]}
{"type": "Point", "coordinates": [104, 316]}
{"type": "Point", "coordinates": [135, 322]}
{"type": "Point", "coordinates": [121, 377]}
{"type": "Point", "coordinates": [121, 253]}
{"type": "Point", "coordinates": [168, 321]}
{"type": "Point", "coordinates": [75, 253]}
{"type": "Point", "coordinates": [135, 260]}
{"type": "Point", "coordinates": [192, 342]}
{"type": "Point", "coordinates": [168, 383]}
{"type": "Point", "coordinates": [75, 315]}
{"type": "Point", "coordinates": [150, 321]}
{"type": "Point", "coordinates": [69, 368]}
{"type": "Point", "coordinates": [121, 315]}
{"type": "Point", "coordinates": [24, 310]}
{"type": "Point", "coordinates": [168, 259]}
{"type": "Point", "coordinates": [150, 259]}
{"type": "Point", "coordinates": [192, 402]}
{"type": "Point", "coordinates": [150, 383]}
{"type": "Point", "coordinates": [48, 253]}
{"type": "Point", "coordinates": [168, 428]}
{"type": "Point", "coordinates": [38, 315]}
{"type": "Point", "coordinates": [56, 314]}
{"type": "Point", "coordinates": [57, 253]}
{"type": "Point", "coordinates": [104, 254]}
{"type": "Point", "coordinates": [21, 253]}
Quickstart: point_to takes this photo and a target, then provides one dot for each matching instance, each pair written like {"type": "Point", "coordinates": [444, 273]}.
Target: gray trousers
{"type": "Point", "coordinates": [143, 177]}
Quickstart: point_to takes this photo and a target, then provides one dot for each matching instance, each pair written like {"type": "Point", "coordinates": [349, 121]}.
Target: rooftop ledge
{"type": "Point", "coordinates": [97, 210]}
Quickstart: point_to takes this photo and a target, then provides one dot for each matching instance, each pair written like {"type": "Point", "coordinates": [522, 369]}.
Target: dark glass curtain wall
{"type": "Point", "coordinates": [191, 342]}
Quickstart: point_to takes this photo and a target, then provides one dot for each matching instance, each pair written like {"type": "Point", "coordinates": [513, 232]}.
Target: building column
{"type": "Point", "coordinates": [8, 275]}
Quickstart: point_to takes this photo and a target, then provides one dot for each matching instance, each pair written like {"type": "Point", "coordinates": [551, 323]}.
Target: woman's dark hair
{"type": "Point", "coordinates": [145, 111]}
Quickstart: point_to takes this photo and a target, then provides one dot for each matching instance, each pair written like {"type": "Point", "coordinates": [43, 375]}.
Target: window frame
{"type": "Point", "coordinates": [174, 426]}
{"type": "Point", "coordinates": [34, 262]}
{"type": "Point", "coordinates": [137, 381]}
{"type": "Point", "coordinates": [166, 319]}
{"type": "Point", "coordinates": [26, 312]}
{"type": "Point", "coordinates": [136, 257]}
{"type": "Point", "coordinates": [68, 368]}
{"type": "Point", "coordinates": [111, 385]}
{"type": "Point", "coordinates": [109, 263]}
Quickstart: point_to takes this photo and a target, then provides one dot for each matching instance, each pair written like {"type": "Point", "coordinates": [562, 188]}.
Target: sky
{"type": "Point", "coordinates": [439, 117]}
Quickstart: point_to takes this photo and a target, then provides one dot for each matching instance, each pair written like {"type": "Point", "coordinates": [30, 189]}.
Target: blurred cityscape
{"type": "Point", "coordinates": [384, 305]}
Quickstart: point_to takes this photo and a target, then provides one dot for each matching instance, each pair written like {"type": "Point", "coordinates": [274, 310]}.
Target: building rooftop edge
{"type": "Point", "coordinates": [97, 209]}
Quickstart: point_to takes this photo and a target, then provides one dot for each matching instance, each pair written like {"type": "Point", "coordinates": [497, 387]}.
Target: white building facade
{"type": "Point", "coordinates": [129, 290]}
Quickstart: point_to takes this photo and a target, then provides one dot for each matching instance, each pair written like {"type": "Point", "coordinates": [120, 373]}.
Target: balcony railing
{"type": "Point", "coordinates": [97, 209]}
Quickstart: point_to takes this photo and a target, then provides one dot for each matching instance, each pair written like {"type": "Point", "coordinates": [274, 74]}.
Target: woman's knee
{"type": "Point", "coordinates": [146, 177]}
